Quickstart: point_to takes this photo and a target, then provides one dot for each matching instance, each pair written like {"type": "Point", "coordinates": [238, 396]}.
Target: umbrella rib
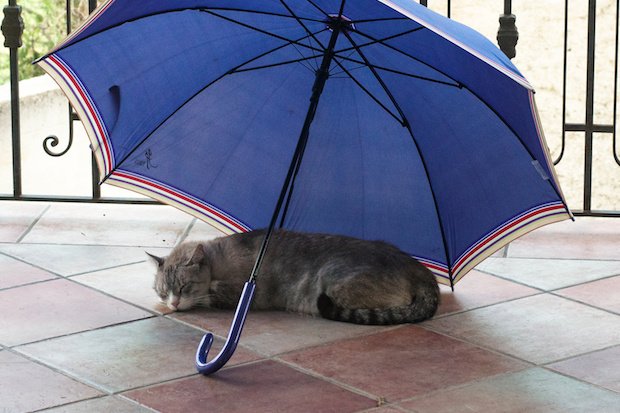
{"type": "Point", "coordinates": [233, 70]}
{"type": "Point", "coordinates": [358, 83]}
{"type": "Point", "coordinates": [302, 24]}
{"type": "Point", "coordinates": [316, 6]}
{"type": "Point", "coordinates": [407, 125]}
{"type": "Point", "coordinates": [457, 84]}
{"type": "Point", "coordinates": [381, 19]}
{"type": "Point", "coordinates": [310, 34]}
{"type": "Point", "coordinates": [285, 62]}
{"type": "Point", "coordinates": [290, 41]}
{"type": "Point", "coordinates": [178, 10]}
{"type": "Point", "coordinates": [373, 70]}
{"type": "Point", "coordinates": [261, 12]}
{"type": "Point", "coordinates": [409, 56]}
{"type": "Point", "coordinates": [299, 60]}
{"type": "Point", "coordinates": [399, 72]}
{"type": "Point", "coordinates": [375, 41]}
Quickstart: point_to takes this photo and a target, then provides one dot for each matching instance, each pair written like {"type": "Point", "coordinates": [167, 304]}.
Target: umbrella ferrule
{"type": "Point", "coordinates": [340, 22]}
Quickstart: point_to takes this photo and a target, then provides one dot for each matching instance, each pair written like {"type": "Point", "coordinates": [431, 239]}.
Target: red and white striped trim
{"type": "Point", "coordinates": [172, 196]}
{"type": "Point", "coordinates": [442, 275]}
{"type": "Point", "coordinates": [86, 109]}
{"type": "Point", "coordinates": [512, 229]}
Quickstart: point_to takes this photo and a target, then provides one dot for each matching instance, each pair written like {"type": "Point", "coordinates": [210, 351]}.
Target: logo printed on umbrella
{"type": "Point", "coordinates": [148, 156]}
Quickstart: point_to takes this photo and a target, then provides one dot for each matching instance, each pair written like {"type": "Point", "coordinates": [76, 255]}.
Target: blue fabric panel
{"type": "Point", "coordinates": [479, 170]}
{"type": "Point", "coordinates": [223, 146]}
{"type": "Point", "coordinates": [423, 137]}
{"type": "Point", "coordinates": [362, 176]}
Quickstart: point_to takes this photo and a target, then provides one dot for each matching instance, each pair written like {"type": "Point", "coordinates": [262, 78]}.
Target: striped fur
{"type": "Point", "coordinates": [336, 277]}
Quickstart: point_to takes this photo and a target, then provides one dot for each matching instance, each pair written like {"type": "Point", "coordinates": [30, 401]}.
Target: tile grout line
{"type": "Point", "coordinates": [525, 257]}
{"type": "Point", "coordinates": [587, 353]}
{"type": "Point", "coordinates": [530, 363]}
{"type": "Point", "coordinates": [453, 387]}
{"type": "Point", "coordinates": [103, 396]}
{"type": "Point", "coordinates": [75, 333]}
{"type": "Point", "coordinates": [70, 279]}
{"type": "Point", "coordinates": [503, 277]}
{"type": "Point", "coordinates": [113, 267]}
{"type": "Point", "coordinates": [592, 306]}
{"type": "Point", "coordinates": [329, 380]}
{"type": "Point", "coordinates": [568, 376]}
{"type": "Point", "coordinates": [467, 310]}
{"type": "Point", "coordinates": [65, 373]}
{"type": "Point", "coordinates": [32, 224]}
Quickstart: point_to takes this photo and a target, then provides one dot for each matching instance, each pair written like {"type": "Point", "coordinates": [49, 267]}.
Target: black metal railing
{"type": "Point", "coordinates": [589, 127]}
{"type": "Point", "coordinates": [507, 38]}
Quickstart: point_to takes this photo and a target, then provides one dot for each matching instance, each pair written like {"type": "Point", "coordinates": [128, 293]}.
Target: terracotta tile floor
{"type": "Point", "coordinates": [534, 329]}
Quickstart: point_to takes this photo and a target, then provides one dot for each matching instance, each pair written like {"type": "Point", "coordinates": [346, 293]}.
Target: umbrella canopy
{"type": "Point", "coordinates": [413, 128]}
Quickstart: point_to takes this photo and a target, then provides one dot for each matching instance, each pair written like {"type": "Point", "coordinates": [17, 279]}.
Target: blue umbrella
{"type": "Point", "coordinates": [377, 119]}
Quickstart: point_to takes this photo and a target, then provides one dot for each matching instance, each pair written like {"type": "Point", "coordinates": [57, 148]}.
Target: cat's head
{"type": "Point", "coordinates": [182, 279]}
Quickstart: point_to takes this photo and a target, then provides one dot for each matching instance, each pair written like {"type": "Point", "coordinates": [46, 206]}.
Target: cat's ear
{"type": "Point", "coordinates": [159, 261]}
{"type": "Point", "coordinates": [197, 255]}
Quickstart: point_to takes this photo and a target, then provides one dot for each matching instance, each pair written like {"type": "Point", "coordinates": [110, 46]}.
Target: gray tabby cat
{"type": "Point", "coordinates": [339, 278]}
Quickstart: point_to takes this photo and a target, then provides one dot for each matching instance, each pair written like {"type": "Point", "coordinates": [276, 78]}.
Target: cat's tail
{"type": "Point", "coordinates": [423, 307]}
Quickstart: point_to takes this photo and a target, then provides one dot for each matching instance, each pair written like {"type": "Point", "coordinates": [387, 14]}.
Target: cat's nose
{"type": "Point", "coordinates": [173, 302]}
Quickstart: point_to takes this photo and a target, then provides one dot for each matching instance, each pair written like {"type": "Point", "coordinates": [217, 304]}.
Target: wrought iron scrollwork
{"type": "Point", "coordinates": [52, 141]}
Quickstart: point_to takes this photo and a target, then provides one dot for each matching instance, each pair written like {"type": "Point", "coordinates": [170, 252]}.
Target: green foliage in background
{"type": "Point", "coordinates": [45, 25]}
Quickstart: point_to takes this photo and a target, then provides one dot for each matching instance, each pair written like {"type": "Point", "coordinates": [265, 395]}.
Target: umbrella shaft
{"type": "Point", "coordinates": [321, 76]}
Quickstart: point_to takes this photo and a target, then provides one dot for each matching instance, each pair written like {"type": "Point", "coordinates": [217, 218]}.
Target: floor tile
{"type": "Point", "coordinates": [540, 329]}
{"type": "Point", "coordinates": [53, 308]}
{"type": "Point", "coordinates": [260, 387]}
{"type": "Point", "coordinates": [549, 274]}
{"type": "Point", "coordinates": [402, 363]}
{"type": "Point", "coordinates": [603, 294]}
{"type": "Point", "coordinates": [127, 356]}
{"type": "Point", "coordinates": [16, 217]}
{"type": "Point", "coordinates": [478, 290]}
{"type": "Point", "coordinates": [26, 386]}
{"type": "Point", "coordinates": [601, 368]}
{"type": "Point", "coordinates": [67, 260]}
{"type": "Point", "coordinates": [533, 391]}
{"type": "Point", "coordinates": [275, 332]}
{"type": "Point", "coordinates": [101, 405]}
{"type": "Point", "coordinates": [586, 238]}
{"type": "Point", "coordinates": [133, 283]}
{"type": "Point", "coordinates": [14, 273]}
{"type": "Point", "coordinates": [110, 224]}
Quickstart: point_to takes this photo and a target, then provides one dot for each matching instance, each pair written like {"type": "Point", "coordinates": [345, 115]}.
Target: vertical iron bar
{"type": "Point", "coordinates": [564, 77]}
{"type": "Point", "coordinates": [613, 142]}
{"type": "Point", "coordinates": [15, 121]}
{"type": "Point", "coordinates": [12, 28]}
{"type": "Point", "coordinates": [589, 121]}
{"type": "Point", "coordinates": [424, 2]}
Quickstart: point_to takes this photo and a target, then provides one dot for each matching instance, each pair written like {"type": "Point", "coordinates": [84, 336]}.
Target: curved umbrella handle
{"type": "Point", "coordinates": [227, 351]}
